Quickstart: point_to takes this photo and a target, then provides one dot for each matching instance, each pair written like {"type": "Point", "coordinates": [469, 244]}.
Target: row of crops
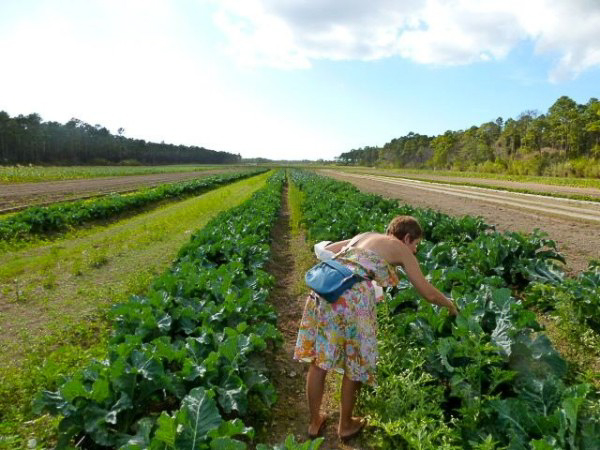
{"type": "Point", "coordinates": [61, 216]}
{"type": "Point", "coordinates": [489, 378]}
{"type": "Point", "coordinates": [186, 362]}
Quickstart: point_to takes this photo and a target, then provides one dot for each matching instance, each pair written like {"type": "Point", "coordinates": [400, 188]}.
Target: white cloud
{"type": "Point", "coordinates": [128, 64]}
{"type": "Point", "coordinates": [292, 33]}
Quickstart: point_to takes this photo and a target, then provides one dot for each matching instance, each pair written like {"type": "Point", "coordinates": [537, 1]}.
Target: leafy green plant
{"type": "Point", "coordinates": [491, 375]}
{"type": "Point", "coordinates": [190, 349]}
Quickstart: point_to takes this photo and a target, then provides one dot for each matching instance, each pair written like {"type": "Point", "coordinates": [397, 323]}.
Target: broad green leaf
{"type": "Point", "coordinates": [198, 415]}
{"type": "Point", "coordinates": [166, 431]}
{"type": "Point", "coordinates": [232, 428]}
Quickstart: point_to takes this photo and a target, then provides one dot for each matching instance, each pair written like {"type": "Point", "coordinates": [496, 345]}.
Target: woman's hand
{"type": "Point", "coordinates": [452, 308]}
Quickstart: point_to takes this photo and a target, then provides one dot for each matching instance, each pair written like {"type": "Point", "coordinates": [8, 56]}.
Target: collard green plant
{"type": "Point", "coordinates": [494, 378]}
{"type": "Point", "coordinates": [185, 359]}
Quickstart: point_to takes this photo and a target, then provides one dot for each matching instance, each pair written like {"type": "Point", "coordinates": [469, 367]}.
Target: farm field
{"type": "Point", "coordinates": [22, 174]}
{"type": "Point", "coordinates": [406, 411]}
{"type": "Point", "coordinates": [210, 304]}
{"type": "Point", "coordinates": [446, 383]}
{"type": "Point", "coordinates": [556, 185]}
{"type": "Point", "coordinates": [572, 235]}
{"type": "Point", "coordinates": [42, 221]}
{"type": "Point", "coordinates": [18, 195]}
{"type": "Point", "coordinates": [67, 287]}
{"type": "Point", "coordinates": [90, 264]}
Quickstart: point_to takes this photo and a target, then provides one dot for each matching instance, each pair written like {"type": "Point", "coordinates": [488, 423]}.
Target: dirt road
{"type": "Point", "coordinates": [535, 187]}
{"type": "Point", "coordinates": [27, 194]}
{"type": "Point", "coordinates": [574, 225]}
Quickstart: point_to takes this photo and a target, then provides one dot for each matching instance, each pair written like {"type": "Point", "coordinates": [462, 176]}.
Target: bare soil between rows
{"type": "Point", "coordinates": [577, 240]}
{"type": "Point", "coordinates": [27, 194]}
{"type": "Point", "coordinates": [518, 185]}
{"type": "Point", "coordinates": [290, 413]}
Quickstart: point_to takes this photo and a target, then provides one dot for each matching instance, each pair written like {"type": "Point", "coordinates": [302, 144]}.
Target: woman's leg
{"type": "Point", "coordinates": [315, 386]}
{"type": "Point", "coordinates": [348, 424]}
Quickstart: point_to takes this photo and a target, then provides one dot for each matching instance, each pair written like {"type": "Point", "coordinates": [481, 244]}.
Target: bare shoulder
{"type": "Point", "coordinates": [388, 247]}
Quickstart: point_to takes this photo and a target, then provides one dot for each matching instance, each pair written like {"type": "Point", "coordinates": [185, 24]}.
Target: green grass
{"type": "Point", "coordinates": [21, 174]}
{"type": "Point", "coordinates": [295, 197]}
{"type": "Point", "coordinates": [554, 181]}
{"type": "Point", "coordinates": [304, 258]}
{"type": "Point", "coordinates": [58, 320]}
{"type": "Point", "coordinates": [575, 341]}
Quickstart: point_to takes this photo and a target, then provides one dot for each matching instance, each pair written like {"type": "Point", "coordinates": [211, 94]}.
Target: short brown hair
{"type": "Point", "coordinates": [400, 226]}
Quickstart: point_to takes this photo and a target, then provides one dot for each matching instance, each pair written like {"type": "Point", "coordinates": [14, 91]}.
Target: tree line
{"type": "Point", "coordinates": [564, 141]}
{"type": "Point", "coordinates": [29, 140]}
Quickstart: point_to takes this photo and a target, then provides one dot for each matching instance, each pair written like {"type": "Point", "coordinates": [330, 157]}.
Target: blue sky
{"type": "Point", "coordinates": [292, 79]}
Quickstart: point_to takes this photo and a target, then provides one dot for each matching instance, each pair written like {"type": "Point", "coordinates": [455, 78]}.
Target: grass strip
{"type": "Point", "coordinates": [59, 217]}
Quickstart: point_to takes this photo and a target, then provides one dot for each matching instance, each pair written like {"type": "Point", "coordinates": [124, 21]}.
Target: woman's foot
{"type": "Point", "coordinates": [351, 429]}
{"type": "Point", "coordinates": [316, 429]}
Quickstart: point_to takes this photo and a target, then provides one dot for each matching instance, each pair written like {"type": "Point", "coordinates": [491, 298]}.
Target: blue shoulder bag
{"type": "Point", "coordinates": [330, 279]}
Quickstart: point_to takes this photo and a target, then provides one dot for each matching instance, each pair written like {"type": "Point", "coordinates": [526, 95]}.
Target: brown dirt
{"type": "Point", "coordinates": [534, 187]}
{"type": "Point", "coordinates": [290, 413]}
{"type": "Point", "coordinates": [577, 240]}
{"type": "Point", "coordinates": [18, 195]}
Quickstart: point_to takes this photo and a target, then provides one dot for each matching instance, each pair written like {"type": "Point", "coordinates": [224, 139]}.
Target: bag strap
{"type": "Point", "coordinates": [339, 267]}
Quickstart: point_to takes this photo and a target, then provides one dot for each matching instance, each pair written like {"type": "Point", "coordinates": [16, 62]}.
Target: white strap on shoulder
{"type": "Point", "coordinates": [322, 253]}
{"type": "Point", "coordinates": [356, 239]}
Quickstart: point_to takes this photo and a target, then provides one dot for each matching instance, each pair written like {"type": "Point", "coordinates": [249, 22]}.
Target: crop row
{"type": "Point", "coordinates": [59, 217]}
{"type": "Point", "coordinates": [485, 379]}
{"type": "Point", "coordinates": [185, 363]}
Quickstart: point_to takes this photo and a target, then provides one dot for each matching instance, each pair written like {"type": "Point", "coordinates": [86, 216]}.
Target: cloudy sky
{"type": "Point", "coordinates": [294, 79]}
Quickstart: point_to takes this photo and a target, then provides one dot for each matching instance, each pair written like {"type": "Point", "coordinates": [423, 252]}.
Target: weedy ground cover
{"type": "Point", "coordinates": [38, 220]}
{"type": "Point", "coordinates": [581, 294]}
{"type": "Point", "coordinates": [571, 309]}
{"type": "Point", "coordinates": [487, 379]}
{"type": "Point", "coordinates": [52, 331]}
{"type": "Point", "coordinates": [19, 174]}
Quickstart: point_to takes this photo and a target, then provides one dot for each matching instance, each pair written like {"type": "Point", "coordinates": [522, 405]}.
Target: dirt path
{"type": "Point", "coordinates": [536, 187]}
{"type": "Point", "coordinates": [21, 194]}
{"type": "Point", "coordinates": [290, 411]}
{"type": "Point", "coordinates": [290, 259]}
{"type": "Point", "coordinates": [575, 238]}
{"type": "Point", "coordinates": [556, 207]}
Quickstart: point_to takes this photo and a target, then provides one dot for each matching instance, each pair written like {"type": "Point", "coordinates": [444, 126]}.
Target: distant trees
{"type": "Point", "coordinates": [29, 140]}
{"type": "Point", "coordinates": [535, 143]}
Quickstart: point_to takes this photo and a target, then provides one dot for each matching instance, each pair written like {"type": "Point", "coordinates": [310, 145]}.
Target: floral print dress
{"type": "Point", "coordinates": [342, 335]}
